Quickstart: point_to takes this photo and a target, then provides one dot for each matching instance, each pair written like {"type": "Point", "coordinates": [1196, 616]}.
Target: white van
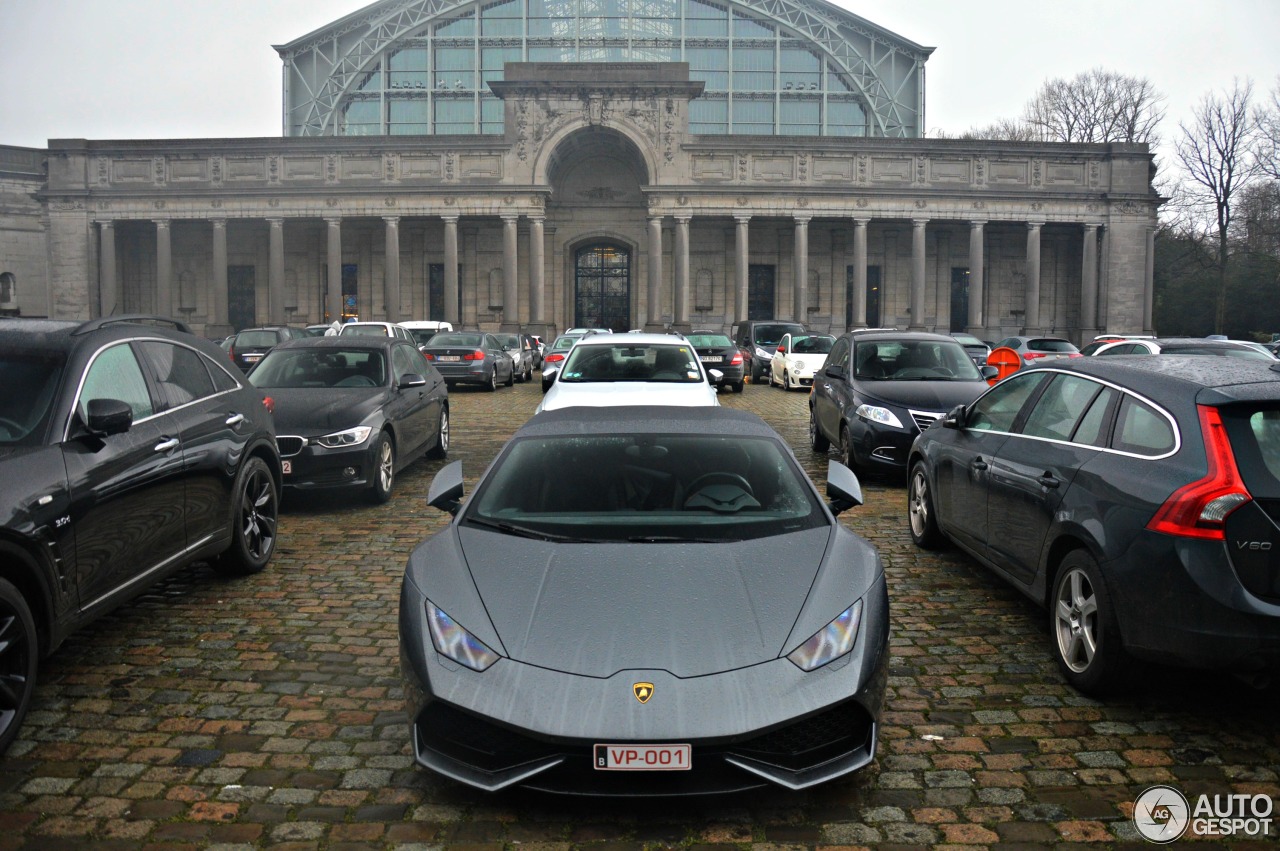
{"type": "Point", "coordinates": [424, 329]}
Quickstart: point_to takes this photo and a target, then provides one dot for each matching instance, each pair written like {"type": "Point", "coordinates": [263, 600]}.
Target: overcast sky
{"type": "Point", "coordinates": [156, 69]}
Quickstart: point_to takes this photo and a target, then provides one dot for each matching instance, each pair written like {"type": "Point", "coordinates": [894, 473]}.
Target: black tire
{"type": "Point", "coordinates": [492, 384]}
{"type": "Point", "coordinates": [255, 512]}
{"type": "Point", "coordinates": [1083, 632]}
{"type": "Point", "coordinates": [847, 456]}
{"type": "Point", "coordinates": [921, 517]}
{"type": "Point", "coordinates": [383, 474]}
{"type": "Point", "coordinates": [441, 449]}
{"type": "Point", "coordinates": [817, 440]}
{"type": "Point", "coordinates": [528, 374]}
{"type": "Point", "coordinates": [786, 381]}
{"type": "Point", "coordinates": [757, 373]}
{"type": "Point", "coordinates": [19, 658]}
{"type": "Point", "coordinates": [737, 387]}
{"type": "Point", "coordinates": [511, 376]}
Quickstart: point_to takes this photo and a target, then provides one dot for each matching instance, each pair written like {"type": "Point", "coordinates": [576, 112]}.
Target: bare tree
{"type": "Point", "coordinates": [1269, 135]}
{"type": "Point", "coordinates": [1005, 129]}
{"type": "Point", "coordinates": [1096, 106]}
{"type": "Point", "coordinates": [1217, 152]}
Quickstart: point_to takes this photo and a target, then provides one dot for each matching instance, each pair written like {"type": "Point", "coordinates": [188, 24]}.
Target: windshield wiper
{"type": "Point", "coordinates": [526, 532]}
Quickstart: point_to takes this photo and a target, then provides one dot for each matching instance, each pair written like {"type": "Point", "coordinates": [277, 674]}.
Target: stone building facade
{"type": "Point", "coordinates": [595, 205]}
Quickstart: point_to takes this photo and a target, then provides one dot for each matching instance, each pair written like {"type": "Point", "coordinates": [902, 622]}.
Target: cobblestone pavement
{"type": "Point", "coordinates": [266, 710]}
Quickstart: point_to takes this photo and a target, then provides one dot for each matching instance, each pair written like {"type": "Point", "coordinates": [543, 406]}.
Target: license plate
{"type": "Point", "coordinates": [286, 467]}
{"type": "Point", "coordinates": [451, 358]}
{"type": "Point", "coordinates": [711, 358]}
{"type": "Point", "coordinates": [252, 358]}
{"type": "Point", "coordinates": [643, 757]}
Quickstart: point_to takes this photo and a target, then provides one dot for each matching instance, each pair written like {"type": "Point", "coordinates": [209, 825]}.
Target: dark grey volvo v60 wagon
{"type": "Point", "coordinates": [1137, 498]}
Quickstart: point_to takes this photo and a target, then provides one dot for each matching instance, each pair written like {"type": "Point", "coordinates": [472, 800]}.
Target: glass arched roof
{"type": "Point", "coordinates": [770, 67]}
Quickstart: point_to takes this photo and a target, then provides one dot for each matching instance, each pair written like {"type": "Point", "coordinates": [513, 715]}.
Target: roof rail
{"type": "Point", "coordinates": [129, 319]}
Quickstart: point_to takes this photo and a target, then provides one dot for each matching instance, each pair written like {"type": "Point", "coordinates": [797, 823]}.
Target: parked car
{"type": "Point", "coordinates": [423, 330]}
{"type": "Point", "coordinates": [688, 585]}
{"type": "Point", "coordinates": [977, 349]}
{"type": "Point", "coordinates": [352, 412]}
{"type": "Point", "coordinates": [630, 369]}
{"type": "Point", "coordinates": [1183, 346]}
{"type": "Point", "coordinates": [1104, 339]}
{"type": "Point", "coordinates": [535, 348]}
{"type": "Point", "coordinates": [316, 330]}
{"type": "Point", "coordinates": [128, 449]}
{"type": "Point", "coordinates": [1035, 349]}
{"type": "Point", "coordinates": [377, 329]}
{"type": "Point", "coordinates": [758, 338]}
{"type": "Point", "coordinates": [1138, 499]}
{"type": "Point", "coordinates": [520, 350]}
{"type": "Point", "coordinates": [798, 358]}
{"type": "Point", "coordinates": [717, 351]}
{"type": "Point", "coordinates": [879, 389]}
{"type": "Point", "coordinates": [560, 346]}
{"type": "Point", "coordinates": [470, 357]}
{"type": "Point", "coordinates": [252, 344]}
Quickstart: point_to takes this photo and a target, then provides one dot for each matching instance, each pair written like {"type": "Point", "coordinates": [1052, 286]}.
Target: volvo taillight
{"type": "Point", "coordinates": [1197, 510]}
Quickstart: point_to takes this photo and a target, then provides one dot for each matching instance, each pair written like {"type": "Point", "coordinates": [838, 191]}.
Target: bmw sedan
{"type": "Point", "coordinates": [880, 388]}
{"type": "Point", "coordinates": [470, 357]}
{"type": "Point", "coordinates": [1136, 498]}
{"type": "Point", "coordinates": [687, 616]}
{"type": "Point", "coordinates": [353, 411]}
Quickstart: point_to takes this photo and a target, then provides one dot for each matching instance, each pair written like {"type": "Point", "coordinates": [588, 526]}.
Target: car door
{"type": "Point", "coordinates": [829, 389]}
{"type": "Point", "coordinates": [502, 366]}
{"type": "Point", "coordinates": [206, 418]}
{"type": "Point", "coordinates": [1033, 468]}
{"type": "Point", "coordinates": [126, 490]}
{"type": "Point", "coordinates": [962, 458]}
{"type": "Point", "coordinates": [409, 408]}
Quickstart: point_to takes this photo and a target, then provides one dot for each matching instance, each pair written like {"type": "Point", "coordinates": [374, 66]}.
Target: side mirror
{"type": "Point", "coordinates": [411, 379]}
{"type": "Point", "coordinates": [782, 350]}
{"type": "Point", "coordinates": [843, 488]}
{"type": "Point", "coordinates": [446, 489]}
{"type": "Point", "coordinates": [716, 376]}
{"type": "Point", "coordinates": [834, 371]}
{"type": "Point", "coordinates": [109, 416]}
{"type": "Point", "coordinates": [955, 417]}
{"type": "Point", "coordinates": [549, 377]}
{"type": "Point", "coordinates": [989, 372]}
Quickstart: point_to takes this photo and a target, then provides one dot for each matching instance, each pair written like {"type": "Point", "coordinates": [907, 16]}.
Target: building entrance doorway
{"type": "Point", "coordinates": [760, 291]}
{"type": "Point", "coordinates": [242, 299]}
{"type": "Point", "coordinates": [959, 297]}
{"type": "Point", "coordinates": [602, 276]}
{"type": "Point", "coordinates": [873, 297]}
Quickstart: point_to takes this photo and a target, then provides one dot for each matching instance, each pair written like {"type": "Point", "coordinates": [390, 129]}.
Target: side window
{"type": "Point", "coordinates": [181, 372]}
{"type": "Point", "coordinates": [420, 364]}
{"type": "Point", "coordinates": [115, 374]}
{"type": "Point", "coordinates": [1122, 349]}
{"type": "Point", "coordinates": [1092, 430]}
{"type": "Point", "coordinates": [400, 359]}
{"type": "Point", "coordinates": [839, 354]}
{"type": "Point", "coordinates": [1059, 407]}
{"type": "Point", "coordinates": [222, 380]}
{"type": "Point", "coordinates": [1142, 430]}
{"type": "Point", "coordinates": [997, 410]}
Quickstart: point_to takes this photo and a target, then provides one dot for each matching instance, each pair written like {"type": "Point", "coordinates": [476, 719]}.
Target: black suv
{"type": "Point", "coordinates": [758, 339]}
{"type": "Point", "coordinates": [128, 449]}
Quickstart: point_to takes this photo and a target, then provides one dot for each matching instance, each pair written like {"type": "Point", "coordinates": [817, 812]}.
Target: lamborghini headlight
{"type": "Point", "coordinates": [454, 642]}
{"type": "Point", "coordinates": [829, 643]}
{"type": "Point", "coordinates": [350, 437]}
{"type": "Point", "coordinates": [876, 414]}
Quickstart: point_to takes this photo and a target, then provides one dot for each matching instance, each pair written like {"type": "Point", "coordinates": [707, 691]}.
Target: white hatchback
{"type": "Point", "coordinates": [798, 358]}
{"type": "Point", "coordinates": [629, 369]}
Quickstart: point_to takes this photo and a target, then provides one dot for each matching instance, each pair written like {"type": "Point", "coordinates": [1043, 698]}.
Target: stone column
{"type": "Point", "coordinates": [1148, 283]}
{"type": "Point", "coordinates": [800, 270]}
{"type": "Point", "coordinates": [164, 269]}
{"type": "Point", "coordinates": [741, 261]}
{"type": "Point", "coordinates": [1031, 303]}
{"type": "Point", "coordinates": [918, 268]}
{"type": "Point", "coordinates": [653, 291]}
{"type": "Point", "coordinates": [275, 274]}
{"type": "Point", "coordinates": [977, 259]}
{"type": "Point", "coordinates": [681, 322]}
{"type": "Point", "coordinates": [860, 273]}
{"type": "Point", "coordinates": [537, 276]}
{"type": "Point", "coordinates": [452, 309]}
{"type": "Point", "coordinates": [108, 287]}
{"type": "Point", "coordinates": [1089, 285]}
{"type": "Point", "coordinates": [510, 291]}
{"type": "Point", "coordinates": [219, 296]}
{"type": "Point", "coordinates": [391, 270]}
{"type": "Point", "coordinates": [333, 257]}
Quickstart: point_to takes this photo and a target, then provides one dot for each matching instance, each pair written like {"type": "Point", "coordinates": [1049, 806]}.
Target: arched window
{"type": "Point", "coordinates": [8, 291]}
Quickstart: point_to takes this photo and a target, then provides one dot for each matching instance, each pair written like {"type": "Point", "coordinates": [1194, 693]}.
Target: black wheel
{"type": "Point", "coordinates": [920, 513]}
{"type": "Point", "coordinates": [384, 468]}
{"type": "Point", "coordinates": [511, 376]}
{"type": "Point", "coordinates": [757, 373]}
{"type": "Point", "coordinates": [528, 374]}
{"type": "Point", "coordinates": [817, 440]}
{"type": "Point", "coordinates": [737, 387]}
{"type": "Point", "coordinates": [19, 656]}
{"type": "Point", "coordinates": [441, 449]}
{"type": "Point", "coordinates": [786, 381]}
{"type": "Point", "coordinates": [255, 508]}
{"type": "Point", "coordinates": [1082, 623]}
{"type": "Point", "coordinates": [847, 455]}
{"type": "Point", "coordinates": [492, 384]}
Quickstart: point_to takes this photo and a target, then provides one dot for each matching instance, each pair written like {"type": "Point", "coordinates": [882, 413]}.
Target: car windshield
{"type": "Point", "coordinates": [30, 382]}
{"type": "Point", "coordinates": [565, 342]}
{"type": "Point", "coordinates": [509, 340]}
{"type": "Point", "coordinates": [422, 336]}
{"type": "Point", "coordinates": [256, 339]}
{"type": "Point", "coordinates": [447, 339]}
{"type": "Point", "coordinates": [968, 340]}
{"type": "Point", "coordinates": [365, 331]}
{"type": "Point", "coordinates": [1220, 351]}
{"type": "Point", "coordinates": [816, 345]}
{"type": "Point", "coordinates": [1048, 344]}
{"type": "Point", "coordinates": [769, 335]}
{"type": "Point", "coordinates": [329, 368]}
{"type": "Point", "coordinates": [914, 360]}
{"type": "Point", "coordinates": [633, 362]}
{"type": "Point", "coordinates": [709, 341]}
{"type": "Point", "coordinates": [646, 488]}
{"type": "Point", "coordinates": [1254, 430]}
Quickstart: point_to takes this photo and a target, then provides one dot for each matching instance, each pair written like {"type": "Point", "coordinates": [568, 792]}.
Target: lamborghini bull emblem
{"type": "Point", "coordinates": [642, 691]}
